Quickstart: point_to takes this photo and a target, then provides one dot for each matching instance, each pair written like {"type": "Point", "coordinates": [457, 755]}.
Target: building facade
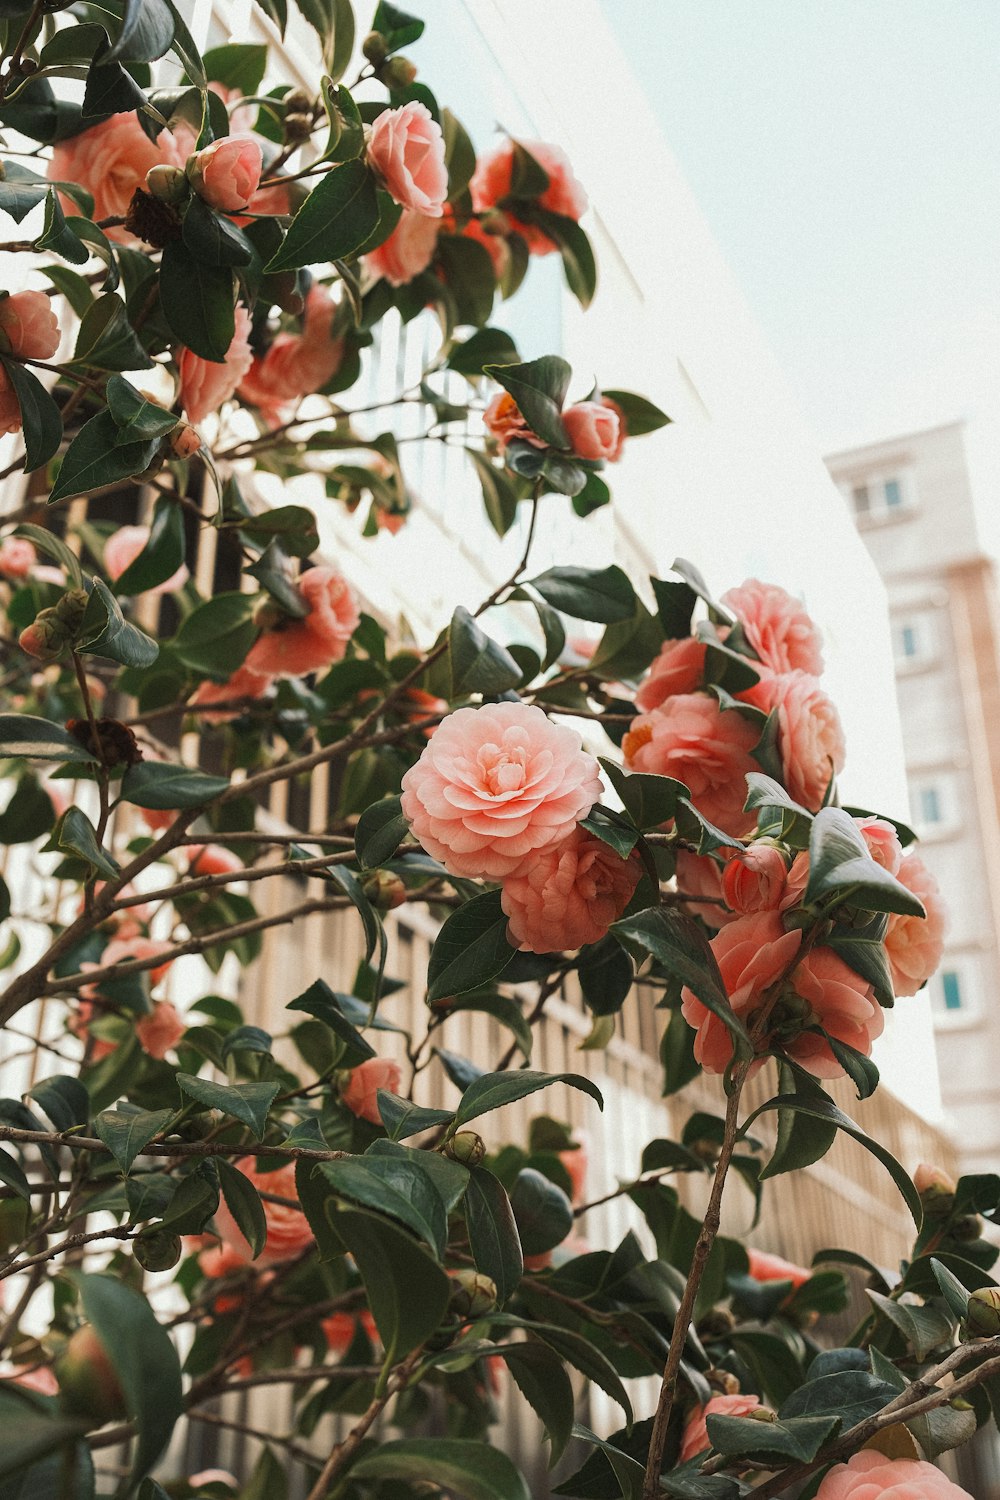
{"type": "Point", "coordinates": [912, 502]}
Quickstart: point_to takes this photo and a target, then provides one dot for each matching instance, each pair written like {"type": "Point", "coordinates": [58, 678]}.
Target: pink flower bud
{"type": "Point", "coordinates": [594, 430]}
{"type": "Point", "coordinates": [185, 441]}
{"type": "Point", "coordinates": [87, 1377]}
{"type": "Point", "coordinates": [361, 1093]}
{"type": "Point", "coordinates": [167, 183]}
{"type": "Point", "coordinates": [227, 173]}
{"type": "Point", "coordinates": [28, 326]}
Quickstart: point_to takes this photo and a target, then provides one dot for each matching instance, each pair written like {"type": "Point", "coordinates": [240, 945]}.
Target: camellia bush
{"type": "Point", "coordinates": [191, 1208]}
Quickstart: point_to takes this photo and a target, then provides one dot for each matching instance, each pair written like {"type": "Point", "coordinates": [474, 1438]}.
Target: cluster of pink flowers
{"type": "Point", "coordinates": [596, 429]}
{"type": "Point", "coordinates": [28, 330]}
{"type": "Point", "coordinates": [872, 1476]}
{"type": "Point", "coordinates": [499, 793]}
{"type": "Point", "coordinates": [296, 364]}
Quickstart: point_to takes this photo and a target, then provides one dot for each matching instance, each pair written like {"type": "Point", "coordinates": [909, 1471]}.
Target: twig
{"type": "Point", "coordinates": [345, 1451]}
{"type": "Point", "coordinates": [174, 1149]}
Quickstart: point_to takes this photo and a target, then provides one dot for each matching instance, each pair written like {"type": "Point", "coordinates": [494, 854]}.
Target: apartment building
{"type": "Point", "coordinates": [912, 502]}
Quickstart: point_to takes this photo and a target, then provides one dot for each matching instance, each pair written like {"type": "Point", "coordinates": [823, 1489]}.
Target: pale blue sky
{"type": "Point", "coordinates": [847, 156]}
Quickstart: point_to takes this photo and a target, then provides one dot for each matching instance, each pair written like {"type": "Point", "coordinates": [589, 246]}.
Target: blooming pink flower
{"type": "Point", "coordinates": [17, 557]}
{"type": "Point", "coordinates": [205, 384]}
{"type": "Point", "coordinates": [123, 547]}
{"type": "Point", "coordinates": [161, 1030]}
{"type": "Point", "coordinates": [766, 1267]}
{"type": "Point", "coordinates": [696, 1439]}
{"type": "Point", "coordinates": [871, 1476]}
{"type": "Point", "coordinates": [837, 999]}
{"type": "Point", "coordinates": [491, 183]}
{"type": "Point", "coordinates": [914, 944]}
{"type": "Point", "coordinates": [28, 326]}
{"type": "Point", "coordinates": [754, 880]}
{"type": "Point", "coordinates": [361, 1093]}
{"type": "Point", "coordinates": [312, 644]}
{"type": "Point", "coordinates": [752, 953]}
{"type": "Point", "coordinates": [340, 1327]}
{"type": "Point", "coordinates": [288, 1229]}
{"type": "Point", "coordinates": [679, 668]}
{"type": "Point", "coordinates": [495, 785]}
{"type": "Point", "coordinates": [227, 172]}
{"type": "Point", "coordinates": [406, 149]}
{"type": "Point", "coordinates": [111, 160]}
{"type": "Point", "coordinates": [883, 843]}
{"type": "Point", "coordinates": [296, 364]}
{"type": "Point", "coordinates": [408, 250]}
{"type": "Point", "coordinates": [243, 684]}
{"type": "Point", "coordinates": [776, 626]}
{"type": "Point", "coordinates": [503, 420]}
{"type": "Point", "coordinates": [212, 859]}
{"type": "Point", "coordinates": [126, 950]}
{"type": "Point", "coordinates": [697, 875]}
{"type": "Point", "coordinates": [567, 894]}
{"type": "Point", "coordinates": [576, 1162]}
{"type": "Point", "coordinates": [594, 430]}
{"type": "Point", "coordinates": [689, 737]}
{"type": "Point", "coordinates": [810, 736]}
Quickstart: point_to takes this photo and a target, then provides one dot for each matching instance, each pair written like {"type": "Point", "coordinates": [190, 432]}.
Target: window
{"type": "Point", "coordinates": [935, 803]}
{"type": "Point", "coordinates": [893, 494]}
{"type": "Point", "coordinates": [951, 990]}
{"type": "Point", "coordinates": [881, 498]}
{"type": "Point", "coordinates": [929, 804]}
{"type": "Point", "coordinates": [953, 995]}
{"type": "Point", "coordinates": [908, 640]}
{"type": "Point", "coordinates": [862, 500]}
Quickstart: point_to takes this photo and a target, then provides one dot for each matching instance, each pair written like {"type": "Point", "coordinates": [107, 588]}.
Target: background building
{"type": "Point", "coordinates": [912, 502]}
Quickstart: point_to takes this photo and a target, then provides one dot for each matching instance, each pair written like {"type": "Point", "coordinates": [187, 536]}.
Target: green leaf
{"type": "Point", "coordinates": [396, 27]}
{"type": "Point", "coordinates": [478, 664]}
{"type": "Point", "coordinates": [38, 739]}
{"type": "Point", "coordinates": [143, 1357]}
{"type": "Point", "coordinates": [502, 1009]}
{"type": "Point", "coordinates": [106, 632]}
{"type": "Point", "coordinates": [395, 1186]}
{"type": "Point", "coordinates": [500, 496]}
{"type": "Point", "coordinates": [494, 1090]}
{"type": "Point", "coordinates": [138, 419]}
{"type": "Point", "coordinates": [407, 1290]}
{"type": "Point", "coordinates": [159, 785]}
{"type": "Point", "coordinates": [924, 1328]}
{"type": "Point", "coordinates": [53, 547]}
{"type": "Point", "coordinates": [216, 636]}
{"type": "Point", "coordinates": [333, 22]}
{"type": "Point", "coordinates": [41, 419]}
{"type": "Point", "coordinates": [469, 276]}
{"type": "Point", "coordinates": [798, 1440]}
{"type": "Point", "coordinates": [375, 937]}
{"type": "Point", "coordinates": [243, 1202]}
{"type": "Point", "coordinates": [542, 1212]}
{"type": "Point", "coordinates": [823, 1108]}
{"type": "Point", "coordinates": [95, 459]}
{"type": "Point", "coordinates": [839, 861]}
{"type": "Point", "coordinates": [492, 1230]}
{"type": "Point", "coordinates": [852, 1395]}
{"type": "Point", "coordinates": [56, 234]}
{"type": "Point", "coordinates": [801, 1138]}
{"type": "Point", "coordinates": [246, 1102]}
{"type": "Point", "coordinates": [676, 941]}
{"type": "Point", "coordinates": [126, 1131]}
{"type": "Point", "coordinates": [21, 190]}
{"type": "Point", "coordinates": [541, 1377]}
{"type": "Point", "coordinates": [12, 1174]}
{"type": "Point", "coordinates": [323, 1003]}
{"type": "Point", "coordinates": [606, 976]}
{"type": "Point", "coordinates": [163, 553]}
{"type": "Point", "coordinates": [339, 215]}
{"type": "Point", "coordinates": [197, 302]}
{"type": "Point", "coordinates": [31, 1431]}
{"type": "Point", "coordinates": [955, 1294]}
{"type": "Point", "coordinates": [74, 833]}
{"type": "Point", "coordinates": [609, 1465]}
{"type": "Point", "coordinates": [863, 950]}
{"type": "Point", "coordinates": [539, 388]}
{"type": "Point", "coordinates": [146, 32]}
{"type": "Point", "coordinates": [186, 48]}
{"type": "Point", "coordinates": [860, 1069]}
{"type": "Point", "coordinates": [485, 346]}
{"type": "Point", "coordinates": [212, 239]}
{"type": "Point", "coordinates": [380, 831]}
{"type": "Point", "coordinates": [471, 949]}
{"type": "Point", "coordinates": [641, 416]}
{"type": "Point", "coordinates": [237, 65]}
{"type": "Point", "coordinates": [628, 647]}
{"type": "Point", "coordinates": [649, 800]}
{"type": "Point", "coordinates": [402, 1118]}
{"type": "Point", "coordinates": [107, 341]}
{"type": "Point", "coordinates": [575, 249]}
{"type": "Point", "coordinates": [601, 594]}
{"type": "Point", "coordinates": [64, 1100]}
{"type": "Point", "coordinates": [473, 1470]}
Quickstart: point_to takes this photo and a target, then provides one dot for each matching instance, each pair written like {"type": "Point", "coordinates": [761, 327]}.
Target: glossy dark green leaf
{"type": "Point", "coordinates": [500, 496]}
{"type": "Point", "coordinates": [924, 1328]}
{"type": "Point", "coordinates": [216, 636]}
{"type": "Point", "coordinates": [39, 739]}
{"type": "Point", "coordinates": [12, 1174]}
{"type": "Point", "coordinates": [648, 799]}
{"type": "Point", "coordinates": [74, 833]}
{"type": "Point", "coordinates": [197, 302]}
{"type": "Point", "coordinates": [213, 239]}
{"type": "Point", "coordinates": [32, 1429]}
{"type": "Point", "coordinates": [839, 862]}
{"type": "Point", "coordinates": [600, 594]}
{"type": "Point", "coordinates": [575, 249]}
{"type": "Point", "coordinates": [323, 1003]}
{"type": "Point", "coordinates": [492, 1230]}
{"type": "Point", "coordinates": [336, 219]}
{"type": "Point", "coordinates": [157, 784]}
{"type": "Point", "coordinates": [380, 831]}
{"type": "Point", "coordinates": [395, 1186]}
{"type": "Point", "coordinates": [106, 632]}
{"type": "Point", "coordinates": [57, 235]}
{"type": "Point", "coordinates": [402, 1118]}
{"type": "Point", "coordinates": [539, 387]}
{"type": "Point", "coordinates": [246, 1102]}
{"type": "Point", "coordinates": [478, 663]}
{"type": "Point", "coordinates": [541, 1377]}
{"type": "Point", "coordinates": [41, 419]}
{"type": "Point", "coordinates": [107, 341]}
{"type": "Point", "coordinates": [64, 1100]}
{"type": "Point", "coordinates": [163, 553]}
{"type": "Point", "coordinates": [95, 459]}
{"type": "Point", "coordinates": [473, 1470]}
{"type": "Point", "coordinates": [503, 1009]}
{"type": "Point", "coordinates": [126, 1131]}
{"type": "Point", "coordinates": [243, 1202]}
{"type": "Point", "coordinates": [542, 1212]}
{"type": "Point", "coordinates": [609, 1472]}
{"type": "Point", "coordinates": [485, 346]}
{"type": "Point", "coordinates": [21, 190]}
{"type": "Point", "coordinates": [237, 65]}
{"type": "Point", "coordinates": [494, 1090]}
{"type": "Point", "coordinates": [396, 26]}
{"type": "Point", "coordinates": [606, 976]}
{"type": "Point", "coordinates": [407, 1290]}
{"type": "Point", "coordinates": [797, 1440]}
{"type": "Point", "coordinates": [852, 1395]}
{"type": "Point", "coordinates": [138, 419]}
{"type": "Point", "coordinates": [471, 949]}
{"type": "Point", "coordinates": [374, 928]}
{"type": "Point", "coordinates": [146, 32]}
{"type": "Point", "coordinates": [641, 416]}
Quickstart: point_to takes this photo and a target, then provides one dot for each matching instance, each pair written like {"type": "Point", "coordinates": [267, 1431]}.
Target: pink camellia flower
{"type": "Point", "coordinates": [495, 785]}
{"type": "Point", "coordinates": [576, 1161]}
{"type": "Point", "coordinates": [288, 1229]}
{"type": "Point", "coordinates": [594, 430]}
{"type": "Point", "coordinates": [161, 1030]}
{"type": "Point", "coordinates": [914, 945]}
{"type": "Point", "coordinates": [766, 1267]}
{"type": "Point", "coordinates": [679, 668]}
{"type": "Point", "coordinates": [776, 626]}
{"type": "Point", "coordinates": [825, 991]}
{"type": "Point", "coordinates": [205, 384]}
{"type": "Point", "coordinates": [810, 736]}
{"type": "Point", "coordinates": [689, 737]}
{"type": "Point", "coordinates": [10, 408]}
{"type": "Point", "coordinates": [696, 1439]}
{"type": "Point", "coordinates": [408, 250]}
{"type": "Point", "coordinates": [111, 160]}
{"type": "Point", "coordinates": [503, 421]}
{"type": "Point", "coordinates": [752, 953]}
{"type": "Point", "coordinates": [17, 557]}
{"type": "Point", "coordinates": [697, 875]}
{"type": "Point", "coordinates": [213, 859]}
{"type": "Point", "coordinates": [406, 149]}
{"type": "Point", "coordinates": [883, 843]}
{"type": "Point", "coordinates": [871, 1476]}
{"type": "Point", "coordinates": [227, 172]}
{"type": "Point", "coordinates": [123, 547]}
{"type": "Point", "coordinates": [795, 882]}
{"type": "Point", "coordinates": [127, 950]}
{"type": "Point", "coordinates": [340, 1327]}
{"type": "Point", "coordinates": [493, 242]}
{"type": "Point", "coordinates": [491, 183]}
{"type": "Point", "coordinates": [41, 1379]}
{"type": "Point", "coordinates": [296, 364]}
{"type": "Point", "coordinates": [312, 644]}
{"type": "Point", "coordinates": [754, 880]}
{"type": "Point", "coordinates": [930, 1179]}
{"type": "Point", "coordinates": [242, 684]}
{"type": "Point", "coordinates": [219, 1259]}
{"type": "Point", "coordinates": [361, 1093]}
{"type": "Point", "coordinates": [567, 894]}
{"type": "Point", "coordinates": [28, 326]}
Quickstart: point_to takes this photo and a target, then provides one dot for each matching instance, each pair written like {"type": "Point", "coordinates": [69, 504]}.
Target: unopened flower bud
{"type": "Point", "coordinates": [374, 48]}
{"type": "Point", "coordinates": [762, 1414]}
{"type": "Point", "coordinates": [397, 73]}
{"type": "Point", "coordinates": [157, 1250]}
{"type": "Point", "coordinates": [936, 1189]}
{"type": "Point", "coordinates": [716, 1324]}
{"type": "Point", "coordinates": [297, 127]}
{"type": "Point", "coordinates": [87, 1378]}
{"type": "Point", "coordinates": [168, 184]}
{"type": "Point", "coordinates": [472, 1294]}
{"type": "Point", "coordinates": [721, 1380]}
{"type": "Point", "coordinates": [55, 628]}
{"type": "Point", "coordinates": [983, 1312]}
{"type": "Point", "coordinates": [384, 890]}
{"type": "Point", "coordinates": [185, 441]}
{"type": "Point", "coordinates": [467, 1147]}
{"type": "Point", "coordinates": [299, 102]}
{"type": "Point", "coordinates": [267, 615]}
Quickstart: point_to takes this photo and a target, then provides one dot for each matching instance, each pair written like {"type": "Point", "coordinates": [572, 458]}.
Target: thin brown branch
{"type": "Point", "coordinates": [176, 1149]}
{"type": "Point", "coordinates": [345, 1451]}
